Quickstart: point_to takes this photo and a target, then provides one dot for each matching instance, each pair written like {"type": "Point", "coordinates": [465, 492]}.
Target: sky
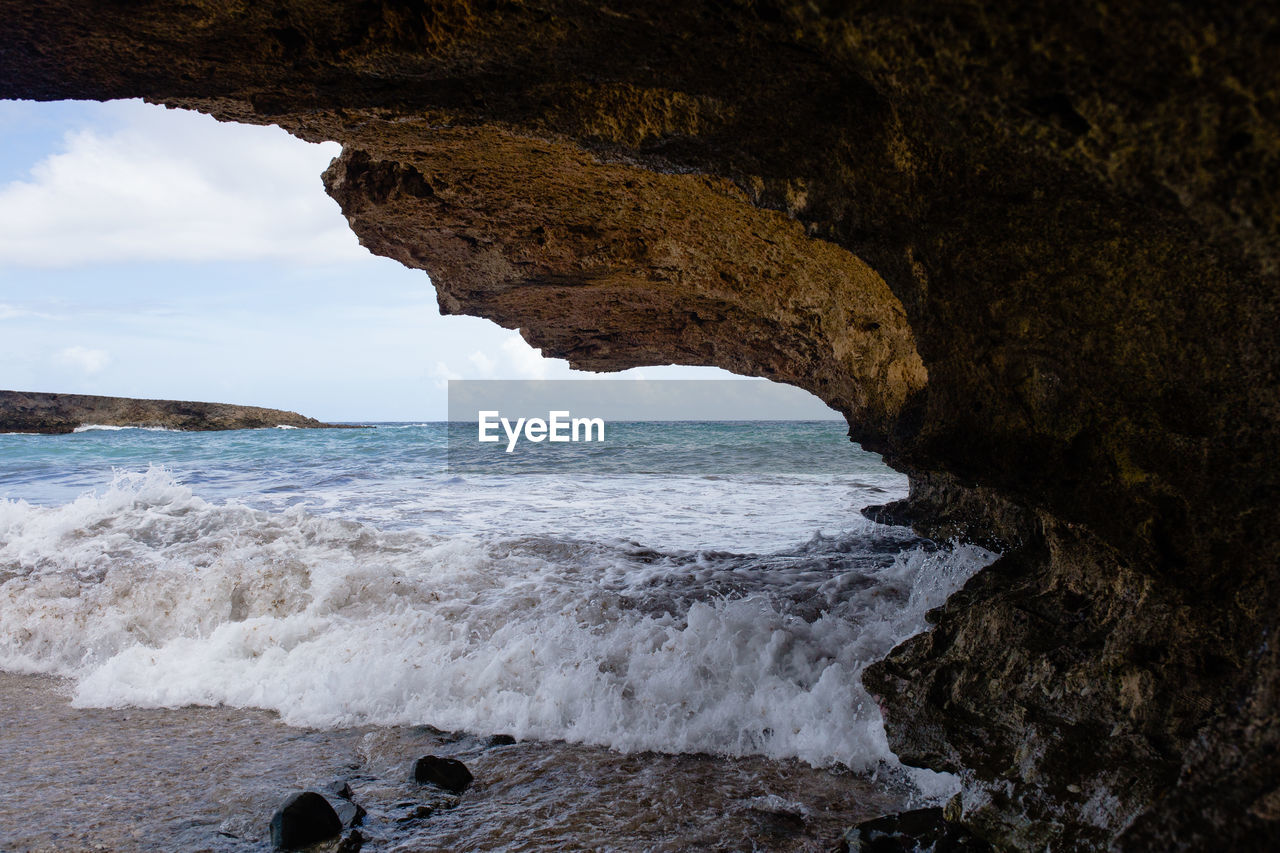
{"type": "Point", "coordinates": [147, 252]}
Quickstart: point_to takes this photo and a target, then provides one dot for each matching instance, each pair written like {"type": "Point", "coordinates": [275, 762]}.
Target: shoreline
{"type": "Point", "coordinates": [209, 778]}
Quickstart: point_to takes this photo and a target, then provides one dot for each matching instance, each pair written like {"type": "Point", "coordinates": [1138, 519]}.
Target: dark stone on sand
{"type": "Point", "coordinates": [414, 811]}
{"type": "Point", "coordinates": [447, 773]}
{"type": "Point", "coordinates": [351, 814]}
{"type": "Point", "coordinates": [338, 793]}
{"type": "Point", "coordinates": [351, 843]}
{"type": "Point", "coordinates": [339, 788]}
{"type": "Point", "coordinates": [920, 829]}
{"type": "Point", "coordinates": [306, 818]}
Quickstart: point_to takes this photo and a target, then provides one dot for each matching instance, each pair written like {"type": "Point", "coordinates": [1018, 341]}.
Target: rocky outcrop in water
{"type": "Point", "coordinates": [304, 819]}
{"type": "Point", "coordinates": [22, 411]}
{"type": "Point", "coordinates": [448, 774]}
{"type": "Point", "coordinates": [1029, 249]}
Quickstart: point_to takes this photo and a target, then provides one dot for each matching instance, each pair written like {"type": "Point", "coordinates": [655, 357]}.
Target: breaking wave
{"type": "Point", "coordinates": [148, 595]}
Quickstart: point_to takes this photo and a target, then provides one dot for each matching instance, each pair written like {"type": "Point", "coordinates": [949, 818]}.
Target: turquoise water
{"type": "Point", "coordinates": [724, 485]}
{"type": "Point", "coordinates": [718, 592]}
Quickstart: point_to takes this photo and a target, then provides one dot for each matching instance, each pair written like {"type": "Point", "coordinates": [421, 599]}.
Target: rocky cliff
{"type": "Point", "coordinates": [1029, 249]}
{"type": "Point", "coordinates": [23, 411]}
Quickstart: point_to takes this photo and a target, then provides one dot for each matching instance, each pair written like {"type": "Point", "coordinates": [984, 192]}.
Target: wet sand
{"type": "Point", "coordinates": [208, 779]}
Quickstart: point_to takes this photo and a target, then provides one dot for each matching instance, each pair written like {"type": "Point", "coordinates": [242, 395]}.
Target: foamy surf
{"type": "Point", "coordinates": [116, 428]}
{"type": "Point", "coordinates": [148, 595]}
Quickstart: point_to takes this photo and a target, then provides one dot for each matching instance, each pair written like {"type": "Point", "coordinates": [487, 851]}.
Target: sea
{"type": "Point", "coordinates": [194, 624]}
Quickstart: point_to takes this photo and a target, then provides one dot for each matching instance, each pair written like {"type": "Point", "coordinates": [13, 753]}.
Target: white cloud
{"type": "Point", "coordinates": [482, 363]}
{"type": "Point", "coordinates": [443, 374]}
{"type": "Point", "coordinates": [88, 360]}
{"type": "Point", "coordinates": [523, 361]}
{"type": "Point", "coordinates": [165, 185]}
{"type": "Point", "coordinates": [512, 358]}
{"type": "Point", "coordinates": [10, 312]}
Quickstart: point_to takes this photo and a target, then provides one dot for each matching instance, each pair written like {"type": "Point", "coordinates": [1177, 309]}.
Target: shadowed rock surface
{"type": "Point", "coordinates": [23, 411]}
{"type": "Point", "coordinates": [446, 773]}
{"type": "Point", "coordinates": [1030, 250]}
{"type": "Point", "coordinates": [304, 819]}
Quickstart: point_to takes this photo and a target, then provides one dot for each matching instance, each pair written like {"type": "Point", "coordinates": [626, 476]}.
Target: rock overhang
{"type": "Point", "coordinates": [1029, 251]}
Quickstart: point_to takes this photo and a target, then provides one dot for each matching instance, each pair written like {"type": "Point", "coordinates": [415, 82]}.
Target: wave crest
{"type": "Point", "coordinates": [148, 595]}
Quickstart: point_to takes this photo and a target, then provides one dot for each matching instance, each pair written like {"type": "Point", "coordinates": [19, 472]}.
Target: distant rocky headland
{"type": "Point", "coordinates": [54, 414]}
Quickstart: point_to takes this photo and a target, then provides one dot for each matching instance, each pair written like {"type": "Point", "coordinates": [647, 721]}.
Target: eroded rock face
{"type": "Point", "coordinates": [1029, 250]}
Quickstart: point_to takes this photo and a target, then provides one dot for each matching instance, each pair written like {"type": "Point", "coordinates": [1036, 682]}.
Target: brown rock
{"type": "Point", "coordinates": [23, 411]}
{"type": "Point", "coordinates": [1030, 250]}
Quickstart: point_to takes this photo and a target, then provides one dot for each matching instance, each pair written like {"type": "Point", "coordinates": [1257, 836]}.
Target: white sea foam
{"type": "Point", "coordinates": [148, 595]}
{"type": "Point", "coordinates": [114, 428]}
